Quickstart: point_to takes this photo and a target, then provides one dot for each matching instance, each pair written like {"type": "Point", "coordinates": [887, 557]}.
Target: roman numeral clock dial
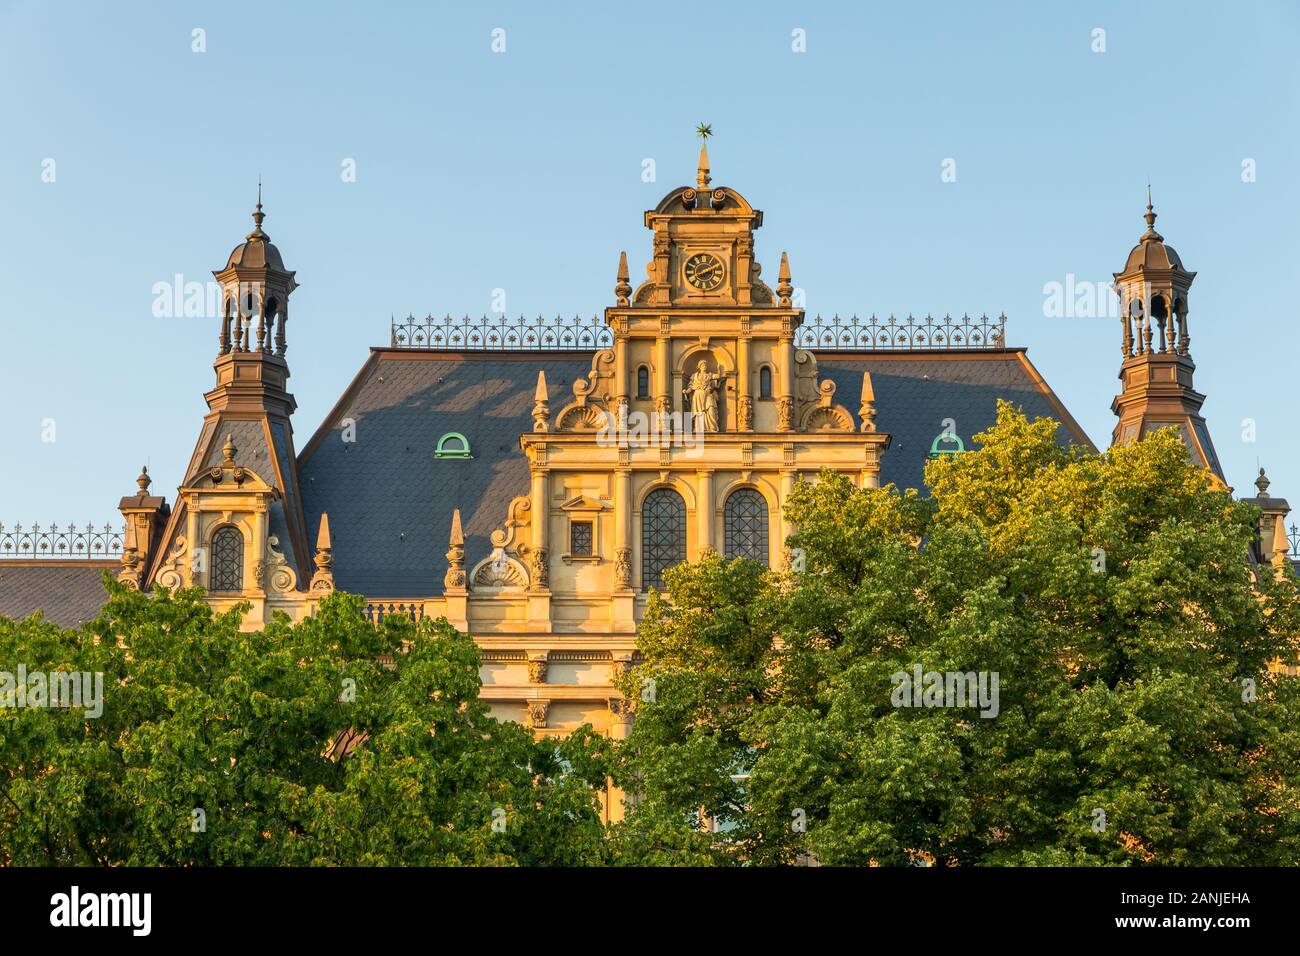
{"type": "Point", "coordinates": [703, 271]}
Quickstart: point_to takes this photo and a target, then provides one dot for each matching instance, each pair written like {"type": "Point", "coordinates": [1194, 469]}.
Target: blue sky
{"type": "Point", "coordinates": [522, 170]}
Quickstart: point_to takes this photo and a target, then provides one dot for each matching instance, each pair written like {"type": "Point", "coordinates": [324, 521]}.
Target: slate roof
{"type": "Point", "coordinates": [252, 451]}
{"type": "Point", "coordinates": [69, 592]}
{"type": "Point", "coordinates": [390, 501]}
{"type": "Point", "coordinates": [916, 391]}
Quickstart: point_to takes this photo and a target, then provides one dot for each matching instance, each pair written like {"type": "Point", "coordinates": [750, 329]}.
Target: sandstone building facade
{"type": "Point", "coordinates": [532, 481]}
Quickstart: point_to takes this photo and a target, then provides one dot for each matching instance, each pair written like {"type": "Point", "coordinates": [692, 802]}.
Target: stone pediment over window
{"type": "Point", "coordinates": [582, 503]}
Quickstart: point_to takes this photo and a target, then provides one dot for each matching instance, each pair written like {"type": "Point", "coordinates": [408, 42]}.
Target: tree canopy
{"type": "Point", "coordinates": [1058, 657]}
{"type": "Point", "coordinates": [329, 741]}
{"type": "Point", "coordinates": [1136, 720]}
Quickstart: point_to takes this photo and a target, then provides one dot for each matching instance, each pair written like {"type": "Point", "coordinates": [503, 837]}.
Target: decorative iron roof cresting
{"type": "Point", "coordinates": [899, 335]}
{"type": "Point", "coordinates": [503, 333]}
{"type": "Point", "coordinates": [51, 543]}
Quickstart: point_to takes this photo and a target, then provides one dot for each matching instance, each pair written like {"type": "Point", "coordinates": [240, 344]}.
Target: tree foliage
{"type": "Point", "coordinates": [1138, 720]}
{"type": "Point", "coordinates": [328, 742]}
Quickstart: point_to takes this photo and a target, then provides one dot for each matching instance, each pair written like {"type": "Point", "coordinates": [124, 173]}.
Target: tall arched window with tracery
{"type": "Point", "coordinates": [744, 525]}
{"type": "Point", "coordinates": [663, 535]}
{"type": "Point", "coordinates": [227, 561]}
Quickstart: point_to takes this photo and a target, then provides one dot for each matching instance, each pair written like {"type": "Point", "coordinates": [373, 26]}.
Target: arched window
{"type": "Point", "coordinates": [642, 382]}
{"type": "Point", "coordinates": [663, 535]}
{"type": "Point", "coordinates": [227, 560]}
{"type": "Point", "coordinates": [744, 523]}
{"type": "Point", "coordinates": [765, 382]}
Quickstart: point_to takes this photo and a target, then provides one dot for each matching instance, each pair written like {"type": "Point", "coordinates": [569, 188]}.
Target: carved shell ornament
{"type": "Point", "coordinates": [582, 418]}
{"type": "Point", "coordinates": [828, 418]}
{"type": "Point", "coordinates": [499, 570]}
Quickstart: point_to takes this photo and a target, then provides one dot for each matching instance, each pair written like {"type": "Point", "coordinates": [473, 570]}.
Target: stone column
{"type": "Point", "coordinates": [539, 568]}
{"type": "Point", "coordinates": [620, 726]}
{"type": "Point", "coordinates": [622, 529]}
{"type": "Point", "coordinates": [538, 562]}
{"type": "Point", "coordinates": [704, 511]}
{"type": "Point", "coordinates": [785, 384]}
{"type": "Point", "coordinates": [192, 546]}
{"type": "Point", "coordinates": [787, 488]}
{"type": "Point", "coordinates": [744, 401]}
{"type": "Point", "coordinates": [663, 381]}
{"type": "Point", "coordinates": [259, 551]}
{"type": "Point", "coordinates": [621, 390]}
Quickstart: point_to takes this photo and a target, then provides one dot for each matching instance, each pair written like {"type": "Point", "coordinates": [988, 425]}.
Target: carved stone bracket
{"type": "Point", "coordinates": [538, 711]}
{"type": "Point", "coordinates": [537, 667]}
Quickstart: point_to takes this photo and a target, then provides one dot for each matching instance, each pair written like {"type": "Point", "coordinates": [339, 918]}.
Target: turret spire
{"type": "Point", "coordinates": [784, 288]}
{"type": "Point", "coordinates": [258, 216]}
{"type": "Point", "coordinates": [455, 579]}
{"type": "Point", "coordinates": [541, 410]}
{"type": "Point", "coordinates": [1151, 235]}
{"type": "Point", "coordinates": [1281, 546]}
{"type": "Point", "coordinates": [323, 578]}
{"type": "Point", "coordinates": [623, 287]}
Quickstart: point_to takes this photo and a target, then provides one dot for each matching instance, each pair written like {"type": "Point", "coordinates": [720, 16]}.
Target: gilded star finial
{"type": "Point", "coordinates": [702, 178]}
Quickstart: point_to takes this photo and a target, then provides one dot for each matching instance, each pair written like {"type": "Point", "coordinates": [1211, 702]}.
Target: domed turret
{"type": "Point", "coordinates": [255, 300]}
{"type": "Point", "coordinates": [256, 251]}
{"type": "Point", "coordinates": [1153, 290]}
{"type": "Point", "coordinates": [1151, 251]}
{"type": "Point", "coordinates": [1158, 368]}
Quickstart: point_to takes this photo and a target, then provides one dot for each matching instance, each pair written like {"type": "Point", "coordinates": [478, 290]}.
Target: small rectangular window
{"type": "Point", "coordinates": [580, 539]}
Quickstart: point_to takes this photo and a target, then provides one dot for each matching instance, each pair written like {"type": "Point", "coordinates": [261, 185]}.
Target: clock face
{"type": "Point", "coordinates": [704, 271]}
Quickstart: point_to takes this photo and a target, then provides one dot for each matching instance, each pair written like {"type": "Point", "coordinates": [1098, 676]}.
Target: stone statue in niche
{"type": "Point", "coordinates": [702, 392]}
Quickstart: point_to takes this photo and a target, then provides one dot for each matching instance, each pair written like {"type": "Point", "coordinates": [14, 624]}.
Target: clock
{"type": "Point", "coordinates": [703, 271]}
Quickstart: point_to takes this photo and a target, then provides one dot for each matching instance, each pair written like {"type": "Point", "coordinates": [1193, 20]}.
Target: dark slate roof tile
{"type": "Point", "coordinates": [250, 448]}
{"type": "Point", "coordinates": [390, 501]}
{"type": "Point", "coordinates": [916, 392]}
{"type": "Point", "coordinates": [67, 593]}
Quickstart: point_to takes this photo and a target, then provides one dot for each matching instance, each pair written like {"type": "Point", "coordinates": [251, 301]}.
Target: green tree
{"type": "Point", "coordinates": [329, 741]}
{"type": "Point", "coordinates": [1137, 719]}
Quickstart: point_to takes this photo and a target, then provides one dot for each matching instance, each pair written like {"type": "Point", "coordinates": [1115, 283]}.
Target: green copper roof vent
{"type": "Point", "coordinates": [452, 445]}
